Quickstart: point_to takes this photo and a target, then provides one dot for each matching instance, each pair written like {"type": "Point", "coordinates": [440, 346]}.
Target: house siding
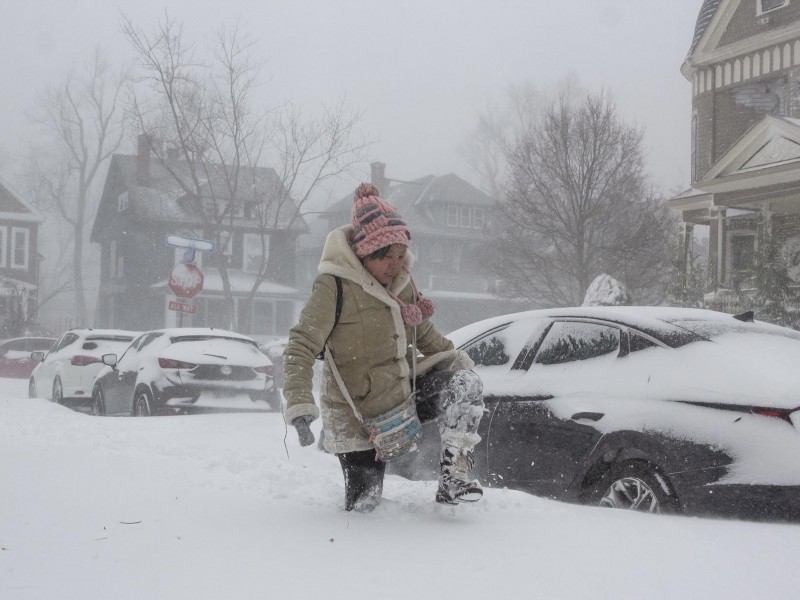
{"type": "Point", "coordinates": [746, 23]}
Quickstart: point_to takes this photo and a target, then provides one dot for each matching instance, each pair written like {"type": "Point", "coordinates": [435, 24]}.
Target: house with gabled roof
{"type": "Point", "coordinates": [448, 219]}
{"type": "Point", "coordinates": [19, 260]}
{"type": "Point", "coordinates": [744, 68]}
{"type": "Point", "coordinates": [144, 202]}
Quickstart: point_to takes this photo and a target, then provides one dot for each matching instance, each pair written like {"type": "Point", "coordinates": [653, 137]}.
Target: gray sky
{"type": "Point", "coordinates": [421, 70]}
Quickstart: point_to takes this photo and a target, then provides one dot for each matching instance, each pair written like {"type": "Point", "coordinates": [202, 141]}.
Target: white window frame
{"type": "Point", "coordinates": [13, 247]}
{"type": "Point", "coordinates": [760, 11]}
{"type": "Point", "coordinates": [254, 239]}
{"type": "Point", "coordinates": [465, 217]}
{"type": "Point", "coordinates": [478, 218]}
{"type": "Point", "coordinates": [3, 246]}
{"type": "Point", "coordinates": [452, 215]}
{"type": "Point", "coordinates": [122, 204]}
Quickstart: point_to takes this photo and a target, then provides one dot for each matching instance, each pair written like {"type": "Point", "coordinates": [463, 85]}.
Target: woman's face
{"type": "Point", "coordinates": [386, 269]}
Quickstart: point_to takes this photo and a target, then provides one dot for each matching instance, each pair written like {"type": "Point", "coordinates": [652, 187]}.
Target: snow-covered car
{"type": "Point", "coordinates": [15, 355]}
{"type": "Point", "coordinates": [645, 408]}
{"type": "Point", "coordinates": [186, 370]}
{"type": "Point", "coordinates": [66, 373]}
{"type": "Point", "coordinates": [273, 349]}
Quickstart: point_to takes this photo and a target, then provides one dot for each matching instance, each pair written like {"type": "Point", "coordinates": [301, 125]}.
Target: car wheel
{"type": "Point", "coordinates": [32, 388]}
{"type": "Point", "coordinates": [635, 485]}
{"type": "Point", "coordinates": [142, 403]}
{"type": "Point", "coordinates": [58, 392]}
{"type": "Point", "coordinates": [98, 408]}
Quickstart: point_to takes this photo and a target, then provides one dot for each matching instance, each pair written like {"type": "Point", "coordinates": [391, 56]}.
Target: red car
{"type": "Point", "coordinates": [15, 355]}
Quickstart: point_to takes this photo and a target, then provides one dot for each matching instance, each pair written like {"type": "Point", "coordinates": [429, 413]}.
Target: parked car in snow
{"type": "Point", "coordinates": [183, 370]}
{"type": "Point", "coordinates": [15, 355]}
{"type": "Point", "coordinates": [643, 408]}
{"type": "Point", "coordinates": [66, 373]}
{"type": "Point", "coordinates": [273, 349]}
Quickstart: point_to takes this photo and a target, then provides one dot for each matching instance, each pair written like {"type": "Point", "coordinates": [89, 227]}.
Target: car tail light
{"type": "Point", "coordinates": [80, 360]}
{"type": "Point", "coordinates": [266, 369]}
{"type": "Point", "coordinates": [171, 363]}
{"type": "Point", "coordinates": [777, 413]}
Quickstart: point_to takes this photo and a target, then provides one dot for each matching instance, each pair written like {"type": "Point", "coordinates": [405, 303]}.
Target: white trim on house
{"type": "Point", "coordinates": [3, 246]}
{"type": "Point", "coordinates": [13, 248]}
{"type": "Point", "coordinates": [758, 136]}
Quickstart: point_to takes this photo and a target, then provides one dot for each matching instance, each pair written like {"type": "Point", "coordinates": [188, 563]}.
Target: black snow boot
{"type": "Point", "coordinates": [363, 480]}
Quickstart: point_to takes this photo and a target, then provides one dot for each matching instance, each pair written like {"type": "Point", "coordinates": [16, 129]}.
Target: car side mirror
{"type": "Point", "coordinates": [37, 355]}
{"type": "Point", "coordinates": [110, 360]}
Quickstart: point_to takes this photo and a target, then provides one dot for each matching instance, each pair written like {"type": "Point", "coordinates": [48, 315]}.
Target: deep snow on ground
{"type": "Point", "coordinates": [210, 507]}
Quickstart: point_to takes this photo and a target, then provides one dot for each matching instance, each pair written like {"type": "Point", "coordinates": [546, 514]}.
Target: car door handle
{"type": "Point", "coordinates": [592, 416]}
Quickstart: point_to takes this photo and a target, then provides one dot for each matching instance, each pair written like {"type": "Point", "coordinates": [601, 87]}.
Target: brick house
{"type": "Point", "coordinates": [19, 261]}
{"type": "Point", "coordinates": [448, 219]}
{"type": "Point", "coordinates": [744, 68]}
{"type": "Point", "coordinates": [142, 203]}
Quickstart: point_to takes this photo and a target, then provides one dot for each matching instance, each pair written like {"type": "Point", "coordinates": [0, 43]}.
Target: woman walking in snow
{"type": "Point", "coordinates": [366, 314]}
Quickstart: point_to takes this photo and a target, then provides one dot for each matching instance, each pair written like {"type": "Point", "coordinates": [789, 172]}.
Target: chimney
{"type": "Point", "coordinates": [143, 160]}
{"type": "Point", "coordinates": [378, 177]}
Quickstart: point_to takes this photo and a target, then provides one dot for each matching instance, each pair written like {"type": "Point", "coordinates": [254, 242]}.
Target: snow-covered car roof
{"type": "Point", "coordinates": [646, 318]}
{"type": "Point", "coordinates": [91, 333]}
{"type": "Point", "coordinates": [181, 332]}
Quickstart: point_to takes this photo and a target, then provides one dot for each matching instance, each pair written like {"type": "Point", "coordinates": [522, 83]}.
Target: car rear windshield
{"type": "Point", "coordinates": [713, 329]}
{"type": "Point", "coordinates": [204, 338]}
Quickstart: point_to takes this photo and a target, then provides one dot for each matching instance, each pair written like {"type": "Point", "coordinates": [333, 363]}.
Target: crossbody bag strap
{"type": "Point", "coordinates": [342, 387]}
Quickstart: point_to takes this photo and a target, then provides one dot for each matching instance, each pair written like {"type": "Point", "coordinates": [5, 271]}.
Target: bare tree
{"type": "Point", "coordinates": [83, 126]}
{"type": "Point", "coordinates": [233, 160]}
{"type": "Point", "coordinates": [490, 142]}
{"type": "Point", "coordinates": [577, 204]}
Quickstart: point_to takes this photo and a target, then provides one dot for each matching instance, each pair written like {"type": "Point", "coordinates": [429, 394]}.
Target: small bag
{"type": "Point", "coordinates": [395, 432]}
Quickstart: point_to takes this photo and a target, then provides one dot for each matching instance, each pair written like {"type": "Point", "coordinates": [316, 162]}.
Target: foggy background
{"type": "Point", "coordinates": [422, 71]}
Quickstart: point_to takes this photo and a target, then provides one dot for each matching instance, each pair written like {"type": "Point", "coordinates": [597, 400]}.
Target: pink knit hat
{"type": "Point", "coordinates": [376, 222]}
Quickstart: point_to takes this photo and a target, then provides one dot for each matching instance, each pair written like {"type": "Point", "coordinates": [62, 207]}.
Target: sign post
{"type": "Point", "coordinates": [186, 279]}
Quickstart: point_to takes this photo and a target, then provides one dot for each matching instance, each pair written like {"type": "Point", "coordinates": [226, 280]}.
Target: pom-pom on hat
{"type": "Point", "coordinates": [376, 222]}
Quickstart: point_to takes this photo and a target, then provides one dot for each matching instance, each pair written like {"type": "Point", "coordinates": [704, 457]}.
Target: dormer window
{"type": "Point", "coordinates": [765, 6]}
{"type": "Point", "coordinates": [465, 217]}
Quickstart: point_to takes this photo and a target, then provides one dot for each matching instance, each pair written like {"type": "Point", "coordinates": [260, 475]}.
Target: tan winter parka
{"type": "Point", "coordinates": [370, 346]}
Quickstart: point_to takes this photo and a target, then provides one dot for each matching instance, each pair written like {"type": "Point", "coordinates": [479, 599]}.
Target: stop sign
{"type": "Point", "coordinates": [185, 280]}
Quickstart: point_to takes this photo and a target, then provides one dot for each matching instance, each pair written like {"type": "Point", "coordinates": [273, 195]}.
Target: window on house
{"type": "Point", "coordinates": [19, 248]}
{"type": "Point", "coordinates": [452, 215]}
{"type": "Point", "coordinates": [254, 258]}
{"type": "Point", "coordinates": [3, 246]}
{"type": "Point", "coordinates": [768, 5]}
{"type": "Point", "coordinates": [477, 218]}
{"type": "Point", "coordinates": [466, 217]}
{"type": "Point", "coordinates": [114, 260]}
{"type": "Point", "coordinates": [742, 251]}
{"type": "Point", "coordinates": [123, 201]}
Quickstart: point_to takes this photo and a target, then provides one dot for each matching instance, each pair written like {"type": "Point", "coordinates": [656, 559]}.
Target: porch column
{"type": "Point", "coordinates": [721, 254]}
{"type": "Point", "coordinates": [685, 251]}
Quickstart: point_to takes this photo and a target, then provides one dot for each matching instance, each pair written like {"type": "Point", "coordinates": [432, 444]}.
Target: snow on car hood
{"type": "Point", "coordinates": [216, 351]}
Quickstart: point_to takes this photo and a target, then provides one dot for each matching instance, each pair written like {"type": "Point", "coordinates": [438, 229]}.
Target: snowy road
{"type": "Point", "coordinates": [210, 507]}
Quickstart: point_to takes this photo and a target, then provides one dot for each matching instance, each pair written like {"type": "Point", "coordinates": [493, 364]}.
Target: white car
{"type": "Point", "coordinates": [186, 370]}
{"type": "Point", "coordinates": [67, 371]}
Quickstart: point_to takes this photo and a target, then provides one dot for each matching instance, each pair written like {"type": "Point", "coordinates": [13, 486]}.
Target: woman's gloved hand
{"type": "Point", "coordinates": [304, 433]}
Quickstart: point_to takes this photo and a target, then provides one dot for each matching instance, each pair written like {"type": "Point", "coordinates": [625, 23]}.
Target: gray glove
{"type": "Point", "coordinates": [304, 433]}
